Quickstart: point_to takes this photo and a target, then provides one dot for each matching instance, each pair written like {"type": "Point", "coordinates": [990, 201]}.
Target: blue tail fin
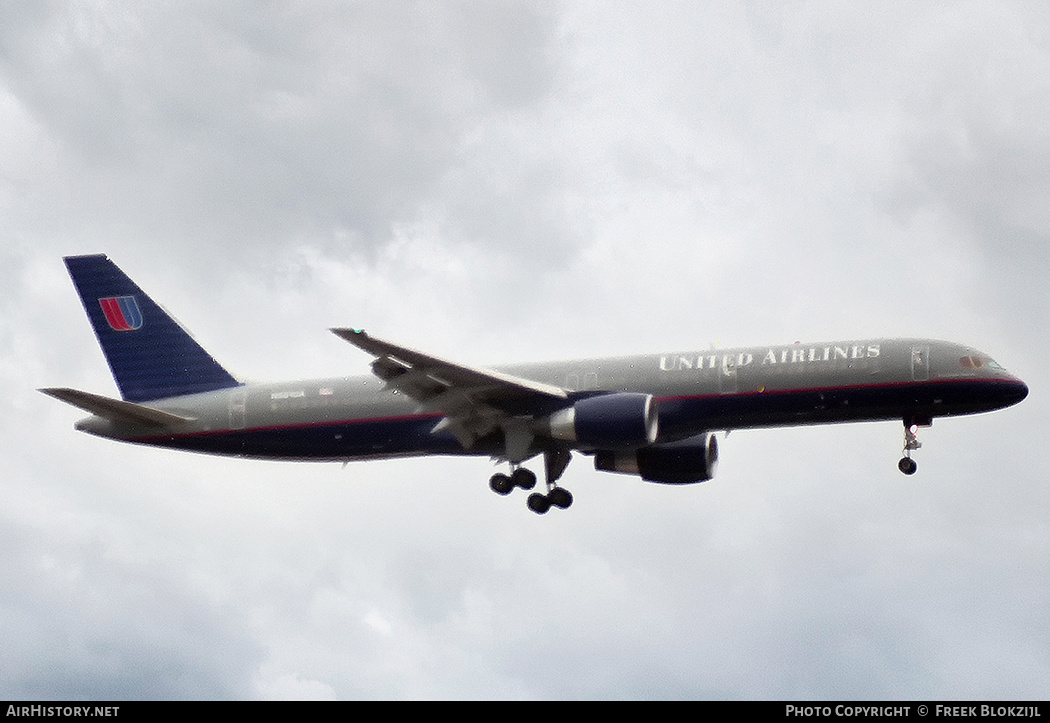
{"type": "Point", "coordinates": [150, 355]}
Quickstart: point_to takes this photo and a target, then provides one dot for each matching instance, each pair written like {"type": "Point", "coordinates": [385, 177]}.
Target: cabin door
{"type": "Point", "coordinates": [920, 363]}
{"type": "Point", "coordinates": [237, 405]}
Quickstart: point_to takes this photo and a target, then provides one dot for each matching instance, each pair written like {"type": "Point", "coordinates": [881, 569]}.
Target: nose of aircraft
{"type": "Point", "coordinates": [1016, 391]}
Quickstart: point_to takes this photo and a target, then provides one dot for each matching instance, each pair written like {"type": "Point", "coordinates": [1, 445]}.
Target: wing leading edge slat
{"type": "Point", "coordinates": [451, 373]}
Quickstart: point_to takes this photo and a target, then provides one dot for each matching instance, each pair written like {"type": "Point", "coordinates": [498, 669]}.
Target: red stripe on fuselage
{"type": "Point", "coordinates": [283, 427]}
{"type": "Point", "coordinates": [844, 388]}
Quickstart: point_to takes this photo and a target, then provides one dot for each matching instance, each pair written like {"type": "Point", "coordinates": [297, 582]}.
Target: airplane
{"type": "Point", "coordinates": [654, 416]}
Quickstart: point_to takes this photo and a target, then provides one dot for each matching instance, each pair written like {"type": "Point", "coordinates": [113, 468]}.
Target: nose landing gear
{"type": "Point", "coordinates": [906, 464]}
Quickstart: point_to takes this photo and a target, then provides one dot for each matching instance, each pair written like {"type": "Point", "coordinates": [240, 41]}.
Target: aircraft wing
{"type": "Point", "coordinates": [474, 401]}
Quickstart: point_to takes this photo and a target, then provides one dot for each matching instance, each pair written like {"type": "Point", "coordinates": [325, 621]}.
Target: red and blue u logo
{"type": "Point", "coordinates": [122, 312]}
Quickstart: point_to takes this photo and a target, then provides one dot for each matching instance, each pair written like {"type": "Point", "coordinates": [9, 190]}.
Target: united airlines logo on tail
{"type": "Point", "coordinates": [122, 312]}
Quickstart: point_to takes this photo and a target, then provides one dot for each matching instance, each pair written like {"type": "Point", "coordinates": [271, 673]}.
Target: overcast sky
{"type": "Point", "coordinates": [498, 181]}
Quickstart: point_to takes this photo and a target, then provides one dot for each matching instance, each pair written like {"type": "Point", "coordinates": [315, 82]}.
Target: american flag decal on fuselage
{"type": "Point", "coordinates": [122, 312]}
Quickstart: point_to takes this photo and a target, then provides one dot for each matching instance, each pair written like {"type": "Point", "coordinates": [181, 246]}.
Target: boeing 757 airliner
{"type": "Point", "coordinates": [654, 415]}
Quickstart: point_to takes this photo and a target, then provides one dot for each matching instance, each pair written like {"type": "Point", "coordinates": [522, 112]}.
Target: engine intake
{"type": "Point", "coordinates": [694, 459]}
{"type": "Point", "coordinates": [621, 420]}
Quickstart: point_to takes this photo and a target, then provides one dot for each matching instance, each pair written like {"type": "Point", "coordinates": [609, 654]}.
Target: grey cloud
{"type": "Point", "coordinates": [85, 624]}
{"type": "Point", "coordinates": [204, 124]}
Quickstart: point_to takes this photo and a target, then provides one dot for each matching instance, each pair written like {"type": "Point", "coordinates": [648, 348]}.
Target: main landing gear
{"type": "Point", "coordinates": [907, 465]}
{"type": "Point", "coordinates": [503, 484]}
{"type": "Point", "coordinates": [538, 502]}
{"type": "Point", "coordinates": [555, 497]}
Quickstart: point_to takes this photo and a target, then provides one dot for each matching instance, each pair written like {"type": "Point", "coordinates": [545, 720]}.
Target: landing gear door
{"type": "Point", "coordinates": [920, 363]}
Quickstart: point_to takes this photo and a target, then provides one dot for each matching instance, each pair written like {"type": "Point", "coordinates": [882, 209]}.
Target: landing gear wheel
{"type": "Point", "coordinates": [907, 465]}
{"type": "Point", "coordinates": [560, 497]}
{"type": "Point", "coordinates": [524, 478]}
{"type": "Point", "coordinates": [501, 484]}
{"type": "Point", "coordinates": [539, 503]}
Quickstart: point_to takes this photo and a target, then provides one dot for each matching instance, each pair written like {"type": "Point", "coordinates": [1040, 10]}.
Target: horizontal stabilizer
{"type": "Point", "coordinates": [115, 409]}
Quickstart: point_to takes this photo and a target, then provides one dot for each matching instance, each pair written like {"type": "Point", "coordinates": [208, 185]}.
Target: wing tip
{"type": "Point", "coordinates": [347, 333]}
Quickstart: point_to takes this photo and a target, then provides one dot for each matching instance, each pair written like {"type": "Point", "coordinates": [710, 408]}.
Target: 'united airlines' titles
{"type": "Point", "coordinates": [781, 355]}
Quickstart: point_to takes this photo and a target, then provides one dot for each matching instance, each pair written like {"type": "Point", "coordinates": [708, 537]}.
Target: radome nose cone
{"type": "Point", "coordinates": [1016, 391]}
{"type": "Point", "coordinates": [1022, 391]}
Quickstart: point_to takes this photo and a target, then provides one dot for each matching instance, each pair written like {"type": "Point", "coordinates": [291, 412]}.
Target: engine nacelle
{"type": "Point", "coordinates": [621, 420]}
{"type": "Point", "coordinates": [694, 459]}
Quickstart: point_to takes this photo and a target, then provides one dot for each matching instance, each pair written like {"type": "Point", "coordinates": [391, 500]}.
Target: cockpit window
{"type": "Point", "coordinates": [976, 362]}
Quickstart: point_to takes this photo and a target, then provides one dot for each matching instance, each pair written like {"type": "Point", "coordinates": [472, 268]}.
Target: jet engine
{"type": "Point", "coordinates": [683, 462]}
{"type": "Point", "coordinates": [621, 420]}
